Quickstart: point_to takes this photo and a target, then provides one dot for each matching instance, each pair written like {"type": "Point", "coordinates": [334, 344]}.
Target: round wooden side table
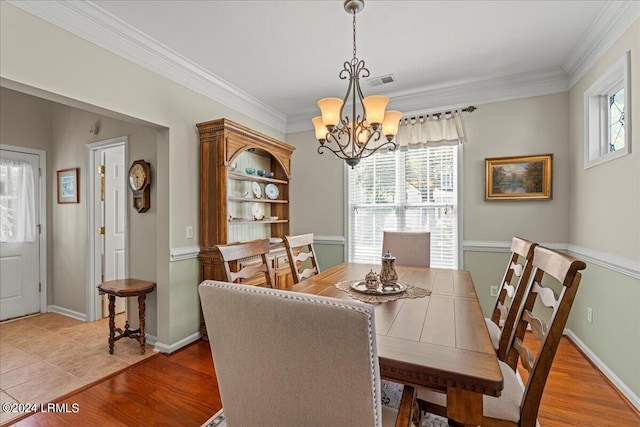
{"type": "Point", "coordinates": [126, 288]}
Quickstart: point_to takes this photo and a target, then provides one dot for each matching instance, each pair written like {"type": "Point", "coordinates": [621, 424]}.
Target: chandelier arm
{"type": "Point", "coordinates": [341, 147]}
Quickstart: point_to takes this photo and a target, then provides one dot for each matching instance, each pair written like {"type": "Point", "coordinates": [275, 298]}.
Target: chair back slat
{"type": "Point", "coordinates": [547, 296]}
{"type": "Point", "coordinates": [526, 357]}
{"type": "Point", "coordinates": [538, 327]}
{"type": "Point", "coordinates": [302, 256]}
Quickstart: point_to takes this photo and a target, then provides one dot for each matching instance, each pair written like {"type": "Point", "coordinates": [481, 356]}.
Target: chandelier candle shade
{"type": "Point", "coordinates": [356, 137]}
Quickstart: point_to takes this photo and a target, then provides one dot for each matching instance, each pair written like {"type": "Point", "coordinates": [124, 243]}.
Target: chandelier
{"type": "Point", "coordinates": [356, 137]}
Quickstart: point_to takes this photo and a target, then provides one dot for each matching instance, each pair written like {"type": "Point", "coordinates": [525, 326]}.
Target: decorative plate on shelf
{"type": "Point", "coordinates": [258, 212]}
{"type": "Point", "coordinates": [257, 190]}
{"type": "Point", "coordinates": [272, 192]}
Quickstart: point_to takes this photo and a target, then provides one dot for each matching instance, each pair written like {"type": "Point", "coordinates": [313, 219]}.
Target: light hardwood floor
{"type": "Point", "coordinates": [181, 389]}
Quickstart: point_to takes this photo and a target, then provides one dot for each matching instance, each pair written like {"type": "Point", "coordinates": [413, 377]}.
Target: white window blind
{"type": "Point", "coordinates": [405, 191]}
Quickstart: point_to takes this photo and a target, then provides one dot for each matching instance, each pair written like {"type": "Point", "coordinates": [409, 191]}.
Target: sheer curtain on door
{"type": "Point", "coordinates": [17, 202]}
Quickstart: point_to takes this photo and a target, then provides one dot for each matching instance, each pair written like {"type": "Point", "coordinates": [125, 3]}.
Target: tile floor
{"type": "Point", "coordinates": [46, 356]}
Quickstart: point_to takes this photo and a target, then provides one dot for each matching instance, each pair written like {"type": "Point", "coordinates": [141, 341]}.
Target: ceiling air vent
{"type": "Point", "coordinates": [377, 81]}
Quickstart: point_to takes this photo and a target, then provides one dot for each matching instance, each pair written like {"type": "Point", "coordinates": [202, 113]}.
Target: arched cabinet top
{"type": "Point", "coordinates": [232, 139]}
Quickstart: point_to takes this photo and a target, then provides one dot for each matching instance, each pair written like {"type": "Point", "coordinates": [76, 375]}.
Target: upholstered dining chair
{"type": "Point", "coordinates": [518, 405]}
{"type": "Point", "coordinates": [411, 248]}
{"type": "Point", "coordinates": [292, 359]}
{"type": "Point", "coordinates": [510, 295]}
{"type": "Point", "coordinates": [248, 259]}
{"type": "Point", "coordinates": [302, 256]}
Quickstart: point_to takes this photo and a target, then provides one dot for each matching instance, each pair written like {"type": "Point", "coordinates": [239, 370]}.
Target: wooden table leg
{"type": "Point", "coordinates": [464, 407]}
{"type": "Point", "coordinates": [141, 308]}
{"type": "Point", "coordinates": [112, 321]}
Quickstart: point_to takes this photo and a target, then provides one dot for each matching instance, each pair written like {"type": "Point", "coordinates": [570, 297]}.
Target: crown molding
{"type": "Point", "coordinates": [504, 88]}
{"type": "Point", "coordinates": [92, 23]}
{"type": "Point", "coordinates": [613, 21]}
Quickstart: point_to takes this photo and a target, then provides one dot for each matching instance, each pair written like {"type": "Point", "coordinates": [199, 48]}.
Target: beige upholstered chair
{"type": "Point", "coordinates": [248, 259]}
{"type": "Point", "coordinates": [411, 248]}
{"type": "Point", "coordinates": [291, 359]}
{"type": "Point", "coordinates": [510, 295]}
{"type": "Point", "coordinates": [518, 405]}
{"type": "Point", "coordinates": [302, 256]}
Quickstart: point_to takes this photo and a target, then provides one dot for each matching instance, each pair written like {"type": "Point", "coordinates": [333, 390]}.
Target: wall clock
{"type": "Point", "coordinates": [140, 183]}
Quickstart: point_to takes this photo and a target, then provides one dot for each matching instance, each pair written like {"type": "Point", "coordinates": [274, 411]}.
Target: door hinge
{"type": "Point", "coordinates": [39, 228]}
{"type": "Point", "coordinates": [101, 230]}
{"type": "Point", "coordinates": [101, 169]}
{"type": "Point", "coordinates": [39, 287]}
{"type": "Point", "coordinates": [39, 171]}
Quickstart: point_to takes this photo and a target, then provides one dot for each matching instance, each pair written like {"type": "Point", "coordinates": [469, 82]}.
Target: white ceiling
{"type": "Point", "coordinates": [282, 56]}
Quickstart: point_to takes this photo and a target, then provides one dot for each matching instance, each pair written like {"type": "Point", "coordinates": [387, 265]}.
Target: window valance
{"type": "Point", "coordinates": [432, 130]}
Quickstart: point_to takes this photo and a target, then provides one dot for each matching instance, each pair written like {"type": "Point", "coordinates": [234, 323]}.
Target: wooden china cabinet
{"type": "Point", "coordinates": [237, 205]}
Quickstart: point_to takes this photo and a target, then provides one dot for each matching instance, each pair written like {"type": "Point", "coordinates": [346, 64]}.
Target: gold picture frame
{"type": "Point", "coordinates": [68, 185]}
{"type": "Point", "coordinates": [519, 177]}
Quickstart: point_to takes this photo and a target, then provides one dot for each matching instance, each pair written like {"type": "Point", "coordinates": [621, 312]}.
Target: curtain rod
{"type": "Point", "coordinates": [469, 109]}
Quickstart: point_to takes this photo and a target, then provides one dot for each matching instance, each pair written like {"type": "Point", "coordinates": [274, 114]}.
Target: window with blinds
{"type": "Point", "coordinates": [405, 191]}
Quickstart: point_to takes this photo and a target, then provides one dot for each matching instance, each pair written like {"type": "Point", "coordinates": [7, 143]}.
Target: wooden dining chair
{"type": "Point", "coordinates": [411, 248]}
{"type": "Point", "coordinates": [248, 260]}
{"type": "Point", "coordinates": [292, 359]}
{"type": "Point", "coordinates": [302, 256]}
{"type": "Point", "coordinates": [518, 405]}
{"type": "Point", "coordinates": [510, 295]}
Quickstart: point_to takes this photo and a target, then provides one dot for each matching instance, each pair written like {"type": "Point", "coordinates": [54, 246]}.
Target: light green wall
{"type": "Point", "coordinates": [487, 269]}
{"type": "Point", "coordinates": [613, 335]}
{"type": "Point", "coordinates": [329, 255]}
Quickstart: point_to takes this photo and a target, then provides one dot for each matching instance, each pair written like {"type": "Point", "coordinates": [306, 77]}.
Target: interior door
{"type": "Point", "coordinates": [115, 193]}
{"type": "Point", "coordinates": [19, 234]}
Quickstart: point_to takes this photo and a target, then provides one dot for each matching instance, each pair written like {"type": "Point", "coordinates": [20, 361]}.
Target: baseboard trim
{"type": "Point", "coordinates": [66, 312]}
{"type": "Point", "coordinates": [170, 348]}
{"type": "Point", "coordinates": [631, 397]}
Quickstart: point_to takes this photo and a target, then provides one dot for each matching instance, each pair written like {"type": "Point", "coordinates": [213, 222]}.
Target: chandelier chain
{"type": "Point", "coordinates": [354, 34]}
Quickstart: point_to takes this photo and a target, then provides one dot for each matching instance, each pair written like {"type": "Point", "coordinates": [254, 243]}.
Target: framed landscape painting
{"type": "Point", "coordinates": [519, 177]}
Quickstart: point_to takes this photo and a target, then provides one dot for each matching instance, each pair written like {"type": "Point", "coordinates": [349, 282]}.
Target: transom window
{"type": "Point", "coordinates": [412, 190]}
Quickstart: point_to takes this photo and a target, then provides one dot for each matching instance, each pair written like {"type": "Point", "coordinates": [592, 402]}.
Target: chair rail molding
{"type": "Point", "coordinates": [614, 262]}
{"type": "Point", "coordinates": [328, 240]}
{"type": "Point", "coordinates": [184, 252]}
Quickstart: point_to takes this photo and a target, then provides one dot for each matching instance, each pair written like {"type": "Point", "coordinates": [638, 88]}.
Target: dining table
{"type": "Point", "coordinates": [439, 341]}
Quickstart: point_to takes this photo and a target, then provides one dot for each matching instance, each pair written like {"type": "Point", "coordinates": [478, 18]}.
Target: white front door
{"type": "Point", "coordinates": [113, 214]}
{"type": "Point", "coordinates": [19, 234]}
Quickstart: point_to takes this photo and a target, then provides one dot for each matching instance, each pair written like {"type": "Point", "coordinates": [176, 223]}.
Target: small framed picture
{"type": "Point", "coordinates": [519, 177]}
{"type": "Point", "coordinates": [68, 184]}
